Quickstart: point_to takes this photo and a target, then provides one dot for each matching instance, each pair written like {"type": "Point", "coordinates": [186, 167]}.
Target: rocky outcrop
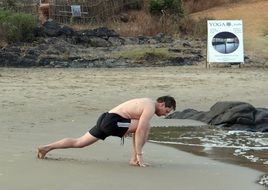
{"type": "Point", "coordinates": [61, 46]}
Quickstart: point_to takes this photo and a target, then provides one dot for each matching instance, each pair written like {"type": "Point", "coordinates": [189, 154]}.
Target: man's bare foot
{"type": "Point", "coordinates": [137, 163]}
{"type": "Point", "coordinates": [133, 163]}
{"type": "Point", "coordinates": [41, 152]}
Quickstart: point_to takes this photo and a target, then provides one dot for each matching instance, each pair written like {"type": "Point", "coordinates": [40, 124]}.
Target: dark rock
{"type": "Point", "coordinates": [27, 62]}
{"type": "Point", "coordinates": [160, 35]}
{"type": "Point", "coordinates": [133, 4]}
{"type": "Point", "coordinates": [82, 39]}
{"type": "Point", "coordinates": [101, 32]}
{"type": "Point", "coordinates": [39, 31]}
{"type": "Point", "coordinates": [152, 41]}
{"type": "Point", "coordinates": [52, 29]}
{"type": "Point", "coordinates": [31, 56]}
{"type": "Point", "coordinates": [124, 17]}
{"type": "Point", "coordinates": [8, 59]}
{"type": "Point", "coordinates": [143, 39]}
{"type": "Point", "coordinates": [130, 40]}
{"type": "Point", "coordinates": [168, 39]}
{"type": "Point", "coordinates": [246, 58]}
{"type": "Point", "coordinates": [61, 64]}
{"type": "Point", "coordinates": [50, 40]}
{"type": "Point", "coordinates": [43, 47]}
{"type": "Point", "coordinates": [49, 61]}
{"type": "Point", "coordinates": [15, 48]}
{"type": "Point", "coordinates": [99, 42]}
{"type": "Point", "coordinates": [104, 32]}
{"type": "Point", "coordinates": [32, 52]}
{"type": "Point", "coordinates": [178, 60]}
{"type": "Point", "coordinates": [67, 31]}
{"type": "Point", "coordinates": [176, 50]}
{"type": "Point", "coordinates": [186, 44]}
{"type": "Point", "coordinates": [116, 41]}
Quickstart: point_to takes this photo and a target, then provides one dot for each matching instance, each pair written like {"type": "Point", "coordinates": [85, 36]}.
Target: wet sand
{"type": "Point", "coordinates": [43, 105]}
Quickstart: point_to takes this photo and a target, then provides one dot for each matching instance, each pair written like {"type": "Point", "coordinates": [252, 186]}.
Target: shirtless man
{"type": "Point", "coordinates": [132, 116]}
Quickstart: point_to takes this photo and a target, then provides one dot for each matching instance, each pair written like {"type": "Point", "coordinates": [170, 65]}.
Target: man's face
{"type": "Point", "coordinates": [163, 110]}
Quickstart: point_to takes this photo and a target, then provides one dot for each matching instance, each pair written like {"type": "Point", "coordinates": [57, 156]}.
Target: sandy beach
{"type": "Point", "coordinates": [40, 105]}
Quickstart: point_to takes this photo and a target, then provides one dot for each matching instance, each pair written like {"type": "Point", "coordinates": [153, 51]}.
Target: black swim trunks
{"type": "Point", "coordinates": [110, 124]}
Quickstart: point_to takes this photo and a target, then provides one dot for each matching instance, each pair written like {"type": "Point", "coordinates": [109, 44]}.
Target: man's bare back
{"type": "Point", "coordinates": [134, 108]}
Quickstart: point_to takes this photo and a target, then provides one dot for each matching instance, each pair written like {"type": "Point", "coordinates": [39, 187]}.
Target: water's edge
{"type": "Point", "coordinates": [245, 149]}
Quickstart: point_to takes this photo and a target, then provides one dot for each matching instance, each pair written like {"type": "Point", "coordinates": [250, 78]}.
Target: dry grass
{"type": "Point", "coordinates": [3, 39]}
{"type": "Point", "coordinates": [140, 23]}
{"type": "Point", "coordinates": [192, 6]}
{"type": "Point", "coordinates": [143, 23]}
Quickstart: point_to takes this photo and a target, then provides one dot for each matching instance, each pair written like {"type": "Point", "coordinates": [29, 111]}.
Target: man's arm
{"type": "Point", "coordinates": [142, 132]}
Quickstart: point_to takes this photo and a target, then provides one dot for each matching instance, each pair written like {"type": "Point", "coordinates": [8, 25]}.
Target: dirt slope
{"type": "Point", "coordinates": [255, 21]}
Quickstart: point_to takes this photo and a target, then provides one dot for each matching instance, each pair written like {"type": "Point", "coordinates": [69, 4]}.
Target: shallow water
{"type": "Point", "coordinates": [248, 149]}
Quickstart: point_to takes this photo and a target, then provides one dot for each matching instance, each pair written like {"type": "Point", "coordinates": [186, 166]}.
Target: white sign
{"type": "Point", "coordinates": [76, 10]}
{"type": "Point", "coordinates": [225, 41]}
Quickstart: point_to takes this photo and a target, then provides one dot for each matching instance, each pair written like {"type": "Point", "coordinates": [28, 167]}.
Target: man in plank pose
{"type": "Point", "coordinates": [132, 116]}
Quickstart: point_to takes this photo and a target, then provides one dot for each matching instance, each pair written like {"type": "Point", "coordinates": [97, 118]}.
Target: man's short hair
{"type": "Point", "coordinates": [170, 102]}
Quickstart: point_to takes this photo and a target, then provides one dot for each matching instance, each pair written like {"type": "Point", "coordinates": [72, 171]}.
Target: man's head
{"type": "Point", "coordinates": [165, 104]}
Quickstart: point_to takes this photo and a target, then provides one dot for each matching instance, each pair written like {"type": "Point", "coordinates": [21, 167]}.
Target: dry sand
{"type": "Point", "coordinates": [43, 105]}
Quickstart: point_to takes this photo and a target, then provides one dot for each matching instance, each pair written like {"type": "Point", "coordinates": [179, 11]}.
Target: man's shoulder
{"type": "Point", "coordinates": [148, 104]}
{"type": "Point", "coordinates": [149, 100]}
{"type": "Point", "coordinates": [143, 103]}
{"type": "Point", "coordinates": [146, 101]}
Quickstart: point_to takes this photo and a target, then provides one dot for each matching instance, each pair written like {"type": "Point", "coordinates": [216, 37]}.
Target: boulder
{"type": "Point", "coordinates": [52, 29]}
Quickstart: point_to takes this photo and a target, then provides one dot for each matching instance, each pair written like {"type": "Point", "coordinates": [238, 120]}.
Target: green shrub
{"type": "Point", "coordinates": [17, 26]}
{"type": "Point", "coordinates": [156, 6]}
{"type": "Point", "coordinates": [168, 6]}
{"type": "Point", "coordinates": [4, 14]}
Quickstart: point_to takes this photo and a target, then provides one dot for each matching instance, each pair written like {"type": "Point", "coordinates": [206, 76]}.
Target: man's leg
{"type": "Point", "coordinates": [85, 140]}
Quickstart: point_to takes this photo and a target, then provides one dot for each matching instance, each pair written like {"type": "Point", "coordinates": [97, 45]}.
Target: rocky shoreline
{"type": "Point", "coordinates": [59, 46]}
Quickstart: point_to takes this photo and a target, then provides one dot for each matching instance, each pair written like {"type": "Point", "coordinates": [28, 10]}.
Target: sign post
{"type": "Point", "coordinates": [225, 41]}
